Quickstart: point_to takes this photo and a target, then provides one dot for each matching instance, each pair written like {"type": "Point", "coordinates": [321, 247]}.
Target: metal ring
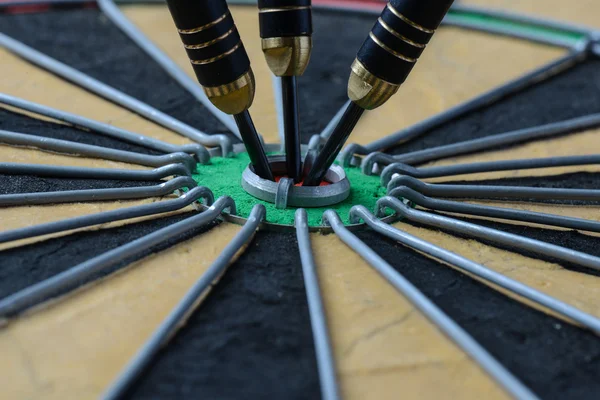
{"type": "Point", "coordinates": [298, 196]}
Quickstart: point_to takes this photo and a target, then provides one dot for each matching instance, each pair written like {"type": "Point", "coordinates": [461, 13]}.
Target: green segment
{"type": "Point", "coordinates": [515, 26]}
{"type": "Point", "coordinates": [223, 177]}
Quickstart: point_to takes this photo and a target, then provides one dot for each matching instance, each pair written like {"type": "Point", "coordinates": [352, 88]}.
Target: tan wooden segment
{"type": "Point", "coordinates": [20, 217]}
{"type": "Point", "coordinates": [26, 155]}
{"type": "Point", "coordinates": [572, 287]}
{"type": "Point", "coordinates": [73, 348]}
{"type": "Point", "coordinates": [384, 348]}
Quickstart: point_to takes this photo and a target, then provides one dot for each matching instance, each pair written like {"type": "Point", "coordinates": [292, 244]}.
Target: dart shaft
{"type": "Point", "coordinates": [334, 145]}
{"type": "Point", "coordinates": [291, 127]}
{"type": "Point", "coordinates": [257, 155]}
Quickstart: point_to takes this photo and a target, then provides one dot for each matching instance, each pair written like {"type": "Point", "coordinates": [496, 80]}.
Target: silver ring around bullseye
{"type": "Point", "coordinates": [335, 192]}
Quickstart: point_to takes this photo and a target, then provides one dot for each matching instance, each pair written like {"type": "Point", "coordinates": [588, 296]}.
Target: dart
{"type": "Point", "coordinates": [382, 64]}
{"type": "Point", "coordinates": [222, 66]}
{"type": "Point", "coordinates": [285, 31]}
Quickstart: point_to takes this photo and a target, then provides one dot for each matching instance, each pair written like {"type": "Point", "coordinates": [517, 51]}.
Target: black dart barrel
{"type": "Point", "coordinates": [400, 36]}
{"type": "Point", "coordinates": [285, 31]}
{"type": "Point", "coordinates": [211, 40]}
{"type": "Point", "coordinates": [222, 66]}
{"type": "Point", "coordinates": [285, 18]}
{"type": "Point", "coordinates": [382, 64]}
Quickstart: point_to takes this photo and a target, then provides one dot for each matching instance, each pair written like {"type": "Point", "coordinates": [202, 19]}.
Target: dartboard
{"type": "Point", "coordinates": [435, 292]}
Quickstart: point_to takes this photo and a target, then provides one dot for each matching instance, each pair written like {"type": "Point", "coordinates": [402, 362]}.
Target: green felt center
{"type": "Point", "coordinates": [223, 176]}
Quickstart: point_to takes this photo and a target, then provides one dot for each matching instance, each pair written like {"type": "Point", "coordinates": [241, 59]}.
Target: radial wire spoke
{"type": "Point", "coordinates": [317, 140]}
{"type": "Point", "coordinates": [495, 212]}
{"type": "Point", "coordinates": [584, 319]}
{"type": "Point", "coordinates": [59, 171]}
{"type": "Point", "coordinates": [115, 15]}
{"type": "Point", "coordinates": [51, 287]}
{"type": "Point", "coordinates": [462, 339]}
{"type": "Point", "coordinates": [158, 207]}
{"type": "Point", "coordinates": [488, 234]}
{"type": "Point", "coordinates": [200, 152]}
{"type": "Point", "coordinates": [101, 89]}
{"type": "Point", "coordinates": [486, 99]}
{"type": "Point", "coordinates": [493, 192]}
{"type": "Point", "coordinates": [88, 150]}
{"type": "Point", "coordinates": [490, 166]}
{"type": "Point", "coordinates": [487, 143]}
{"type": "Point", "coordinates": [184, 309]}
{"type": "Point", "coordinates": [318, 319]}
{"type": "Point", "coordinates": [516, 85]}
{"type": "Point", "coordinates": [74, 196]}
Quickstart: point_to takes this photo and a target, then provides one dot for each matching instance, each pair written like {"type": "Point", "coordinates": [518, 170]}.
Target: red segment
{"type": "Point", "coordinates": [278, 178]}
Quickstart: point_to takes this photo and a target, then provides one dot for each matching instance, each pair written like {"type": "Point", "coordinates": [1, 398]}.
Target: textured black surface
{"type": "Point", "coordinates": [34, 184]}
{"type": "Point", "coordinates": [251, 338]}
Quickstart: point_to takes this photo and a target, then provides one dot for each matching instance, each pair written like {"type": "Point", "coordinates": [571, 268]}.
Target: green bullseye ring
{"type": "Point", "coordinates": [223, 177]}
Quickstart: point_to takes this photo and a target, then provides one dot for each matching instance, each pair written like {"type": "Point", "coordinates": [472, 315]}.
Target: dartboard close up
{"type": "Point", "coordinates": [450, 252]}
